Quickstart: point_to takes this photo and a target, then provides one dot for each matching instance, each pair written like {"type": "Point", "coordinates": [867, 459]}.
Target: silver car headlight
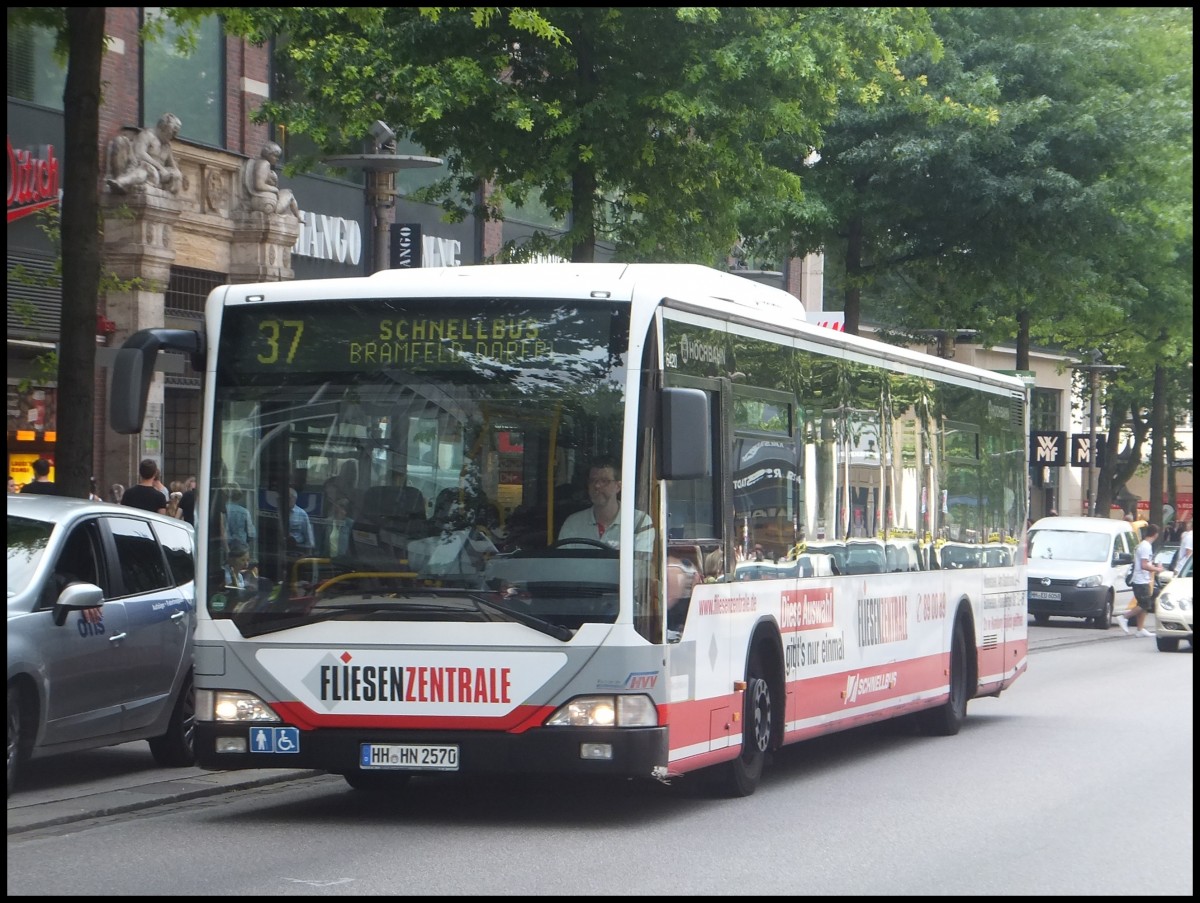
{"type": "Point", "coordinates": [606, 711]}
{"type": "Point", "coordinates": [232, 706]}
{"type": "Point", "coordinates": [1086, 582]}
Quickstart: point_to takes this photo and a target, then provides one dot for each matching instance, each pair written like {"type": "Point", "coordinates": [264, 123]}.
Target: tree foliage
{"type": "Point", "coordinates": [645, 127]}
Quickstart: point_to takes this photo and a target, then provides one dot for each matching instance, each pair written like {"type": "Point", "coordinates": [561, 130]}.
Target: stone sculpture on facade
{"type": "Point", "coordinates": [260, 183]}
{"type": "Point", "coordinates": [146, 160]}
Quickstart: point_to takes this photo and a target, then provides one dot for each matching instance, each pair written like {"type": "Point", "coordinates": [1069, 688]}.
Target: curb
{"type": "Point", "coordinates": [116, 802]}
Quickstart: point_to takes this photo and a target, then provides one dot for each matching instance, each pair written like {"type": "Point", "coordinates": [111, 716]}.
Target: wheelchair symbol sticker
{"type": "Point", "coordinates": [275, 740]}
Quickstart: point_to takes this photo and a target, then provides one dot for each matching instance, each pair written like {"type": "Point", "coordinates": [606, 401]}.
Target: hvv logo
{"type": "Point", "coordinates": [641, 680]}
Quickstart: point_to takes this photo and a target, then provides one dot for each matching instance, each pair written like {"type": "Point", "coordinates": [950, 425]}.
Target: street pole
{"type": "Point", "coordinates": [381, 167]}
{"type": "Point", "coordinates": [1094, 389]}
{"type": "Point", "coordinates": [1093, 370]}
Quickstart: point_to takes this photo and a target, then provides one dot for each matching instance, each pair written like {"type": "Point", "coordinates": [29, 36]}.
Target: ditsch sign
{"type": "Point", "coordinates": [32, 180]}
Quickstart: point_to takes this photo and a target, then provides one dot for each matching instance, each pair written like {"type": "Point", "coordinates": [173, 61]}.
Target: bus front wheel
{"type": "Point", "coordinates": [740, 777]}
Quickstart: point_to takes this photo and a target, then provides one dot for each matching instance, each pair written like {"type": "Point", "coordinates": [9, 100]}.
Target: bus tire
{"type": "Point", "coordinates": [741, 776]}
{"type": "Point", "coordinates": [376, 782]}
{"type": "Point", "coordinates": [947, 718]}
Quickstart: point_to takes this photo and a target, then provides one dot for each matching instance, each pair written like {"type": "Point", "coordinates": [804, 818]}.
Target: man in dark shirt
{"type": "Point", "coordinates": [42, 484]}
{"type": "Point", "coordinates": [144, 495]}
{"type": "Point", "coordinates": [187, 504]}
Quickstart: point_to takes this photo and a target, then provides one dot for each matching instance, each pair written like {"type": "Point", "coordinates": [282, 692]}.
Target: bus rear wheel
{"type": "Point", "coordinates": [741, 776]}
{"type": "Point", "coordinates": [947, 718]}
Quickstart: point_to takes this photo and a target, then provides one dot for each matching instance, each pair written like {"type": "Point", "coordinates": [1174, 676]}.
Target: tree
{"type": "Point", "coordinates": [80, 32]}
{"type": "Point", "coordinates": [643, 126]}
{"type": "Point", "coordinates": [1061, 215]}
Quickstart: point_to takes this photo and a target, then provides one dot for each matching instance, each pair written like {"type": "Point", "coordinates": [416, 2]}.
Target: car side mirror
{"type": "Point", "coordinates": [76, 597]}
{"type": "Point", "coordinates": [1123, 558]}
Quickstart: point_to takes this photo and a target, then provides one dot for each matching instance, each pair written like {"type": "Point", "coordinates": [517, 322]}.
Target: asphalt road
{"type": "Point", "coordinates": [80, 786]}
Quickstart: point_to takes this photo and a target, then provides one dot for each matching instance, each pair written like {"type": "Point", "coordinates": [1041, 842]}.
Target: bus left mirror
{"type": "Point", "coordinates": [133, 370]}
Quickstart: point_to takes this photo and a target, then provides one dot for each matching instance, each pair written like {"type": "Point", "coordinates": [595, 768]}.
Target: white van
{"type": "Point", "coordinates": [1077, 568]}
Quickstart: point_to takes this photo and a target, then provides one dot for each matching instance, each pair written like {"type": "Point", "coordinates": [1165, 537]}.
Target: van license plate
{"type": "Point", "coordinates": [1049, 597]}
{"type": "Point", "coordinates": [408, 756]}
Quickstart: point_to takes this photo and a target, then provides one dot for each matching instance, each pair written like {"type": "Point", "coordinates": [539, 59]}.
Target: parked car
{"type": "Point", "coordinates": [101, 615]}
{"type": "Point", "coordinates": [1077, 566]}
{"type": "Point", "coordinates": [1173, 609]}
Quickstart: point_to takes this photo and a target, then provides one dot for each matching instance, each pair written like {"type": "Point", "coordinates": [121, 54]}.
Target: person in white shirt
{"type": "Point", "coordinates": [1185, 546]}
{"type": "Point", "coordinates": [1144, 571]}
{"type": "Point", "coordinates": [602, 521]}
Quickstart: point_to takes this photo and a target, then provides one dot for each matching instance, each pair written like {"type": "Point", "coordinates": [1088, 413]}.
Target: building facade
{"type": "Point", "coordinates": [163, 251]}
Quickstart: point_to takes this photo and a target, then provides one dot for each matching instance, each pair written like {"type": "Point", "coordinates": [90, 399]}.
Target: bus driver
{"type": "Point", "coordinates": [602, 521]}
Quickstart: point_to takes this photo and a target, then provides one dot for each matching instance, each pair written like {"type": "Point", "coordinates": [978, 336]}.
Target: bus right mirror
{"type": "Point", "coordinates": [686, 434]}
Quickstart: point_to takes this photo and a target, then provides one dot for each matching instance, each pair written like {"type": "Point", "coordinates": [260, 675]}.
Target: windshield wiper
{"type": "Point", "coordinates": [553, 630]}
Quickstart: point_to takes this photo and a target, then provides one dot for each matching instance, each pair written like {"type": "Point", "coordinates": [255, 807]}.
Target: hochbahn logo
{"type": "Point", "coordinates": [32, 180]}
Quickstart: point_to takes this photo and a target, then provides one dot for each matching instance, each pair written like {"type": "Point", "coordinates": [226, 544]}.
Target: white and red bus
{"type": "Point", "coordinates": [817, 530]}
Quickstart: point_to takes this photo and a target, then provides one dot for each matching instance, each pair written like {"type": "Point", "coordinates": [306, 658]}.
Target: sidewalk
{"type": "Point", "coordinates": [79, 786]}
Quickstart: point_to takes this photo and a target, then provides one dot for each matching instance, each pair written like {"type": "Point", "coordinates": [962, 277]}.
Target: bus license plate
{"type": "Point", "coordinates": [408, 756]}
{"type": "Point", "coordinates": [1049, 597]}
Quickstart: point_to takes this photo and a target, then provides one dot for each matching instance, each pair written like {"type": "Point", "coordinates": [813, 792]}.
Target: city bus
{"type": "Point", "coordinates": [817, 531]}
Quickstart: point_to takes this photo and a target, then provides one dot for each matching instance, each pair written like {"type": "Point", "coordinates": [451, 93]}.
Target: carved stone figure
{"type": "Point", "coordinates": [145, 160]}
{"type": "Point", "coordinates": [260, 183]}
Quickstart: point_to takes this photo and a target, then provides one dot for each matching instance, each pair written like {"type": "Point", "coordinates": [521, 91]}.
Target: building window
{"type": "Point", "coordinates": [190, 84]}
{"type": "Point", "coordinates": [1045, 410]}
{"type": "Point", "coordinates": [188, 290]}
{"type": "Point", "coordinates": [34, 74]}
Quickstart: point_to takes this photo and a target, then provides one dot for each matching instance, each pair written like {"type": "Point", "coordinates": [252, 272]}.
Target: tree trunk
{"type": "Point", "coordinates": [80, 251]}
{"type": "Point", "coordinates": [1023, 318]}
{"type": "Point", "coordinates": [853, 294]}
{"type": "Point", "coordinates": [1158, 457]}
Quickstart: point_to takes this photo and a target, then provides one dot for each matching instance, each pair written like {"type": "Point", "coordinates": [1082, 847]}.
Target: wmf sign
{"type": "Point", "coordinates": [1081, 448]}
{"type": "Point", "coordinates": [1047, 448]}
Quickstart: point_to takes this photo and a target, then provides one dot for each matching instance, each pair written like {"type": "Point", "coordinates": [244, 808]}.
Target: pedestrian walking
{"type": "Point", "coordinates": [41, 484]}
{"type": "Point", "coordinates": [187, 503]}
{"type": "Point", "coordinates": [1144, 571]}
{"type": "Point", "coordinates": [1185, 545]}
{"type": "Point", "coordinates": [144, 495]}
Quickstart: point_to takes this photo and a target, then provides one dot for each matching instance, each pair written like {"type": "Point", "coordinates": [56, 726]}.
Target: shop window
{"type": "Point", "coordinates": [35, 75]}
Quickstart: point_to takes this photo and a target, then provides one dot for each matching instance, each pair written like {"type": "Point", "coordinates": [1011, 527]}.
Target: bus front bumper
{"type": "Point", "coordinates": [617, 752]}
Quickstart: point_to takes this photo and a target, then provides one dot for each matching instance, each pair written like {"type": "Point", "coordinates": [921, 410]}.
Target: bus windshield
{"type": "Point", "coordinates": [388, 459]}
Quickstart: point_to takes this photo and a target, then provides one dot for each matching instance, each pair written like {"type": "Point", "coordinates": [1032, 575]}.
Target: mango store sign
{"type": "Point", "coordinates": [335, 238]}
{"type": "Point", "coordinates": [329, 238]}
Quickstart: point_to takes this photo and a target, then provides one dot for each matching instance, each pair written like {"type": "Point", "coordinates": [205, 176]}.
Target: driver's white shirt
{"type": "Point", "coordinates": [583, 525]}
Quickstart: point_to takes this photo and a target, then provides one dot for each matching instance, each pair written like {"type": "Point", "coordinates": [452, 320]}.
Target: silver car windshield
{"type": "Point", "coordinates": [27, 540]}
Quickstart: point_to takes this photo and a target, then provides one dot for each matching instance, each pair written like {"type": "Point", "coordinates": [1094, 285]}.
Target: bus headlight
{"type": "Point", "coordinates": [233, 706]}
{"type": "Point", "coordinates": [606, 711]}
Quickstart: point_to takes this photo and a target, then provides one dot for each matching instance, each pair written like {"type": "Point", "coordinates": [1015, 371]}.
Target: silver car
{"type": "Point", "coordinates": [101, 615]}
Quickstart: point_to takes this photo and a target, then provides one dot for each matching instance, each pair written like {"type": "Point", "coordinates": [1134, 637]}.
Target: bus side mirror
{"type": "Point", "coordinates": [686, 434]}
{"type": "Point", "coordinates": [133, 370]}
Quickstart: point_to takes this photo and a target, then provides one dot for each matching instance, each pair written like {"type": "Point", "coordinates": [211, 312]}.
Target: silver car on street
{"type": "Point", "coordinates": [101, 616]}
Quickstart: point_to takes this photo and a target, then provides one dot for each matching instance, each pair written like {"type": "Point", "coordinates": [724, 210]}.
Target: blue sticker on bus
{"type": "Point", "coordinates": [275, 739]}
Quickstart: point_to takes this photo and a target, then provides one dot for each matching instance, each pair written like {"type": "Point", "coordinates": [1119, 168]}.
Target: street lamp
{"type": "Point", "coordinates": [1093, 370]}
{"type": "Point", "coordinates": [381, 166]}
